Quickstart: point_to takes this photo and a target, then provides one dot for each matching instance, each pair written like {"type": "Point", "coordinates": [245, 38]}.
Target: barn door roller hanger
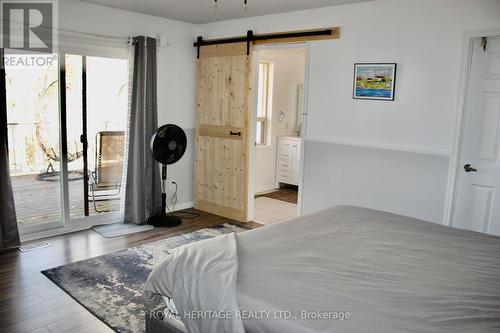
{"type": "Point", "coordinates": [329, 33]}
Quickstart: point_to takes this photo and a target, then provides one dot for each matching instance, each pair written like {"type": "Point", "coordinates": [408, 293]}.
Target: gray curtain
{"type": "Point", "coordinates": [9, 235]}
{"type": "Point", "coordinates": [143, 191]}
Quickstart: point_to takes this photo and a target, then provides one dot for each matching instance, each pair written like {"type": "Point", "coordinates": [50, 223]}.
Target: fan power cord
{"type": "Point", "coordinates": [182, 215]}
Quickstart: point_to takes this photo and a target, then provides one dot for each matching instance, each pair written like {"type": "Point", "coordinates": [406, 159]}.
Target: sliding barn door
{"type": "Point", "coordinates": [222, 130]}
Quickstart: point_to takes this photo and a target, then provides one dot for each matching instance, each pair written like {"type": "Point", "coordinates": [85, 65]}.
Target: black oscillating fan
{"type": "Point", "coordinates": [168, 144]}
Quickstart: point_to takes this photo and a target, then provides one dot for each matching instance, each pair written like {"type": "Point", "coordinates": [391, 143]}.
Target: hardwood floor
{"type": "Point", "coordinates": [30, 303]}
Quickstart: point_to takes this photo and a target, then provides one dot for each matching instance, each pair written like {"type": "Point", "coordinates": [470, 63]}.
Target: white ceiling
{"type": "Point", "coordinates": [204, 11]}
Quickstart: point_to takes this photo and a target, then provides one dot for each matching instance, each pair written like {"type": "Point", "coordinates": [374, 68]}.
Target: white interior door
{"type": "Point", "coordinates": [477, 205]}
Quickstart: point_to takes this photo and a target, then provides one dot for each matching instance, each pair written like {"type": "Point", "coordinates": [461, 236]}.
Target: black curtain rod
{"type": "Point", "coordinates": [201, 42]}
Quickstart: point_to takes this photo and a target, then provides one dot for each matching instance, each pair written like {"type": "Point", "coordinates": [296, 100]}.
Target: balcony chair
{"type": "Point", "coordinates": [105, 181]}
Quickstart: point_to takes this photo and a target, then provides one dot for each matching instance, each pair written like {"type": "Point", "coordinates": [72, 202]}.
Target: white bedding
{"type": "Point", "coordinates": [390, 273]}
{"type": "Point", "coordinates": [188, 273]}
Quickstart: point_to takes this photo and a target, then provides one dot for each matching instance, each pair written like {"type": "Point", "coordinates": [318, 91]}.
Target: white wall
{"type": "Point", "coordinates": [425, 38]}
{"type": "Point", "coordinates": [288, 66]}
{"type": "Point", "coordinates": [176, 69]}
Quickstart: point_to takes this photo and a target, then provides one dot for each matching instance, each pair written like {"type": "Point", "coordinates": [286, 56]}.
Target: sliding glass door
{"type": "Point", "coordinates": [33, 123]}
{"type": "Point", "coordinates": [96, 104]}
{"type": "Point", "coordinates": [67, 127]}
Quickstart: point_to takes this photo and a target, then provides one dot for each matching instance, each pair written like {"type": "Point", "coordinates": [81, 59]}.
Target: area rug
{"type": "Point", "coordinates": [110, 286]}
{"type": "Point", "coordinates": [283, 194]}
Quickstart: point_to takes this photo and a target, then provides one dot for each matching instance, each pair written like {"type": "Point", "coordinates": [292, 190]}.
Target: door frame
{"type": "Point", "coordinates": [253, 113]}
{"type": "Point", "coordinates": [456, 154]}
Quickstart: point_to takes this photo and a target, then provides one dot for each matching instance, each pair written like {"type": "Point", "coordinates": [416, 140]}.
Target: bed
{"type": "Point", "coordinates": [344, 269]}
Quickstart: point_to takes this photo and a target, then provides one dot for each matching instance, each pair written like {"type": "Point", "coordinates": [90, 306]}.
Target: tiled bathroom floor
{"type": "Point", "coordinates": [269, 210]}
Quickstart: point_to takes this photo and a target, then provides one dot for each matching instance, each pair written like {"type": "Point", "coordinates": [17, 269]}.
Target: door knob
{"type": "Point", "coordinates": [469, 168]}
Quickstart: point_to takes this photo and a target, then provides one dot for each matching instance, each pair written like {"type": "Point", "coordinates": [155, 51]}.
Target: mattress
{"type": "Point", "coordinates": [351, 269]}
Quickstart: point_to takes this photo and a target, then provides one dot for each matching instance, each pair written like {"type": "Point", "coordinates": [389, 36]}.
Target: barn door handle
{"type": "Point", "coordinates": [235, 133]}
{"type": "Point", "coordinates": [469, 168]}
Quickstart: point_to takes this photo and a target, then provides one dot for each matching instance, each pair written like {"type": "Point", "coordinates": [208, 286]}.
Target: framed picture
{"type": "Point", "coordinates": [374, 81]}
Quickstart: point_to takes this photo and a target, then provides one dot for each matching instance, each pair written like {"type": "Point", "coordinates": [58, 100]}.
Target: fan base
{"type": "Point", "coordinates": [164, 220]}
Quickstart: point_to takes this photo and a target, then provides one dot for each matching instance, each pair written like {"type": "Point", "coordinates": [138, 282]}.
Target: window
{"type": "Point", "coordinates": [263, 105]}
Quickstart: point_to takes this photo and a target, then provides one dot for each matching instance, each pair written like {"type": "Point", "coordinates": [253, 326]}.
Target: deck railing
{"type": "Point", "coordinates": [25, 155]}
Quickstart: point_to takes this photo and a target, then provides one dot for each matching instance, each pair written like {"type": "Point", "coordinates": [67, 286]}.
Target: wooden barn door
{"type": "Point", "coordinates": [222, 130]}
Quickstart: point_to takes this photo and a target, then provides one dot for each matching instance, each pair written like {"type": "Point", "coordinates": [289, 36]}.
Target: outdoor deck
{"type": "Point", "coordinates": [40, 201]}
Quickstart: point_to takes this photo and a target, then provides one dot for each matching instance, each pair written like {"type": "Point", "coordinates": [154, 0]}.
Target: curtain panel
{"type": "Point", "coordinates": [143, 191]}
{"type": "Point", "coordinates": [9, 234]}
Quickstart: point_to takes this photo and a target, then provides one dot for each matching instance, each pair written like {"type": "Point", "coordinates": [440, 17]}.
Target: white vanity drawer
{"type": "Point", "coordinates": [284, 144]}
{"type": "Point", "coordinates": [285, 164]}
{"type": "Point", "coordinates": [285, 151]}
{"type": "Point", "coordinates": [288, 161]}
{"type": "Point", "coordinates": [285, 176]}
{"type": "Point", "coordinates": [285, 156]}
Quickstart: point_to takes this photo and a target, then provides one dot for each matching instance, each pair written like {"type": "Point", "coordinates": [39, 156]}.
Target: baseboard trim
{"type": "Point", "coordinates": [184, 205]}
{"type": "Point", "coordinates": [67, 230]}
{"type": "Point", "coordinates": [266, 191]}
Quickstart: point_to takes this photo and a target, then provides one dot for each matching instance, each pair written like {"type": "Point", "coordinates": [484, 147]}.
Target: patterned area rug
{"type": "Point", "coordinates": [284, 194]}
{"type": "Point", "coordinates": [110, 286]}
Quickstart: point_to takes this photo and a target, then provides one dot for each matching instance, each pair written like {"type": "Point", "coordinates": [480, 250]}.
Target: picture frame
{"type": "Point", "coordinates": [374, 81]}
